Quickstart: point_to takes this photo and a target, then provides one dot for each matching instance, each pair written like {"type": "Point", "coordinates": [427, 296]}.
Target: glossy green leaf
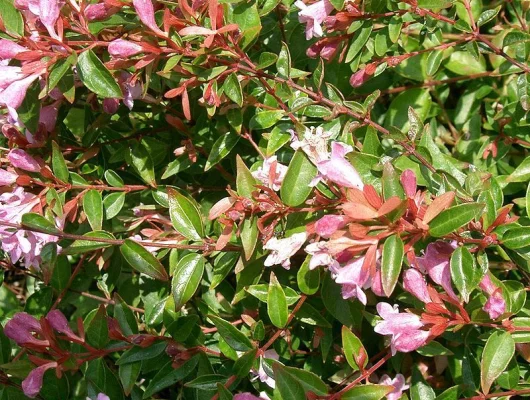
{"type": "Point", "coordinates": [354, 350]}
{"type": "Point", "coordinates": [497, 353]}
{"type": "Point", "coordinates": [11, 18]}
{"type": "Point", "coordinates": [221, 148]}
{"type": "Point", "coordinates": [83, 246]}
{"type": "Point", "coordinates": [141, 260]}
{"type": "Point", "coordinates": [168, 376]}
{"type": "Point", "coordinates": [113, 204]}
{"type": "Point", "coordinates": [186, 279]}
{"type": "Point", "coordinates": [96, 77]}
{"type": "Point", "coordinates": [295, 187]}
{"type": "Point", "coordinates": [233, 336]}
{"type": "Point", "coordinates": [367, 392]}
{"type": "Point", "coordinates": [464, 272]}
{"type": "Point", "coordinates": [516, 238]}
{"type": "Point", "coordinates": [38, 223]}
{"type": "Point", "coordinates": [93, 208]}
{"type": "Point", "coordinates": [453, 218]}
{"type": "Point", "coordinates": [277, 303]}
{"type": "Point", "coordinates": [245, 182]}
{"type": "Point", "coordinates": [308, 280]}
{"type": "Point", "coordinates": [143, 163]}
{"type": "Point", "coordinates": [232, 89]}
{"type": "Point", "coordinates": [419, 388]}
{"type": "Point", "coordinates": [185, 215]}
{"type": "Point", "coordinates": [393, 252]}
{"type": "Point", "coordinates": [59, 167]}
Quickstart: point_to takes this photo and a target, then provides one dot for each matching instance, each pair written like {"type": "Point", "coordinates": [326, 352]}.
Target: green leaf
{"type": "Point", "coordinates": [5, 347]}
{"type": "Point", "coordinates": [11, 18]}
{"type": "Point", "coordinates": [84, 246]}
{"type": "Point", "coordinates": [249, 236]}
{"type": "Point", "coordinates": [222, 266]}
{"type": "Point", "coordinates": [246, 16]}
{"type": "Point", "coordinates": [283, 64]}
{"type": "Point", "coordinates": [245, 182]}
{"type": "Point", "coordinates": [435, 4]}
{"type": "Point", "coordinates": [244, 363]}
{"type": "Point", "coordinates": [353, 350]}
{"type": "Point", "coordinates": [515, 37]}
{"type": "Point", "coordinates": [97, 330]}
{"type": "Point", "coordinates": [232, 89]}
{"type": "Point", "coordinates": [277, 303]}
{"type": "Point", "coordinates": [96, 77]}
{"type": "Point", "coordinates": [516, 238]}
{"type": "Point", "coordinates": [338, 4]}
{"type": "Point", "coordinates": [29, 110]}
{"type": "Point", "coordinates": [141, 260]}
{"type": "Point", "coordinates": [265, 119]}
{"type": "Point", "coordinates": [113, 204]}
{"type": "Point", "coordinates": [463, 63]}
{"type": "Point", "coordinates": [464, 272]}
{"type": "Point", "coordinates": [288, 385]}
{"type": "Point", "coordinates": [232, 336]}
{"type": "Point", "coordinates": [100, 379]}
{"type": "Point", "coordinates": [359, 41]}
{"type": "Point", "coordinates": [168, 376]}
{"type": "Point", "coordinates": [38, 223]}
{"type": "Point", "coordinates": [185, 215]}
{"type": "Point", "coordinates": [61, 273]}
{"type": "Point", "coordinates": [93, 208]}
{"type": "Point", "coordinates": [206, 382]}
{"type": "Point", "coordinates": [59, 167]}
{"type": "Point", "coordinates": [308, 380]}
{"type": "Point", "coordinates": [261, 292]}
{"type": "Point", "coordinates": [137, 353]}
{"type": "Point", "coordinates": [58, 70]}
{"type": "Point", "coordinates": [433, 349]}
{"type": "Point", "coordinates": [128, 374]}
{"type": "Point", "coordinates": [392, 260]}
{"type": "Point", "coordinates": [451, 219]}
{"type": "Point", "coordinates": [125, 316]}
{"type": "Point", "coordinates": [367, 392]}
{"type": "Point", "coordinates": [308, 280]}
{"type": "Point", "coordinates": [497, 353]}
{"type": "Point", "coordinates": [419, 389]}
{"type": "Point", "coordinates": [528, 200]}
{"type": "Point", "coordinates": [397, 114]}
{"type": "Point", "coordinates": [187, 277]}
{"type": "Point", "coordinates": [142, 162]}
{"type": "Point", "coordinates": [295, 187]}
{"type": "Point", "coordinates": [221, 148]}
{"type": "Point", "coordinates": [113, 179]}
{"type": "Point", "coordinates": [433, 61]}
{"type": "Point", "coordinates": [488, 15]}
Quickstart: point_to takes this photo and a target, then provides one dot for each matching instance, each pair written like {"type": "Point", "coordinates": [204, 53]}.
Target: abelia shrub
{"type": "Point", "coordinates": [264, 199]}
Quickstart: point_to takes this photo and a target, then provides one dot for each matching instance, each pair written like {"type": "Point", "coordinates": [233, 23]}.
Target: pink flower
{"type": "Point", "coordinates": [9, 49]}
{"type": "Point", "coordinates": [20, 243]}
{"type": "Point", "coordinates": [146, 13]}
{"type": "Point", "coordinates": [338, 169]}
{"type": "Point", "coordinates": [99, 11]}
{"type": "Point", "coordinates": [261, 373]}
{"type": "Point", "coordinates": [49, 11]}
{"type": "Point", "coordinates": [20, 159]}
{"type": "Point", "coordinates": [58, 321]}
{"type": "Point", "coordinates": [33, 382]}
{"type": "Point", "coordinates": [246, 396]}
{"type": "Point", "coordinates": [124, 48]}
{"type": "Point", "coordinates": [313, 16]}
{"type": "Point", "coordinates": [283, 249]}
{"type": "Point", "coordinates": [320, 255]}
{"type": "Point", "coordinates": [110, 106]}
{"type": "Point", "coordinates": [329, 224]}
{"type": "Point", "coordinates": [314, 143]}
{"type": "Point", "coordinates": [271, 173]}
{"type": "Point", "coordinates": [435, 262]}
{"type": "Point", "coordinates": [20, 328]}
{"type": "Point", "coordinates": [353, 279]}
{"type": "Point", "coordinates": [414, 283]}
{"type": "Point", "coordinates": [398, 383]}
{"type": "Point", "coordinates": [403, 327]}
{"type": "Point", "coordinates": [325, 48]}
{"type": "Point", "coordinates": [13, 95]}
{"type": "Point", "coordinates": [48, 116]}
{"type": "Point", "coordinates": [9, 74]}
{"type": "Point", "coordinates": [7, 178]}
{"type": "Point", "coordinates": [495, 306]}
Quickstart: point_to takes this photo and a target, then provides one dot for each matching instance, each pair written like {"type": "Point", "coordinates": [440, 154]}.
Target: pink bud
{"type": "Point", "coordinates": [99, 11]}
{"type": "Point", "coordinates": [110, 106]}
{"type": "Point", "coordinates": [7, 178]}
{"type": "Point", "coordinates": [48, 116]}
{"type": "Point", "coordinates": [33, 382]}
{"type": "Point", "coordinates": [146, 13]}
{"type": "Point", "coordinates": [359, 78]}
{"type": "Point", "coordinates": [246, 396]}
{"type": "Point", "coordinates": [408, 180]}
{"type": "Point", "coordinates": [27, 321]}
{"type": "Point", "coordinates": [20, 159]}
{"type": "Point", "coordinates": [123, 48]}
{"type": "Point", "coordinates": [495, 306]}
{"type": "Point", "coordinates": [102, 396]}
{"type": "Point", "coordinates": [414, 283]}
{"type": "Point", "coordinates": [328, 224]}
{"type": "Point", "coordinates": [9, 49]}
{"type": "Point", "coordinates": [14, 94]}
{"type": "Point", "coordinates": [59, 322]}
{"type": "Point", "coordinates": [49, 11]}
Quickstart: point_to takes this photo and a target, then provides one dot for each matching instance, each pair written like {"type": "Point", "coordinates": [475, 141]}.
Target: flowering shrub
{"type": "Point", "coordinates": [264, 199]}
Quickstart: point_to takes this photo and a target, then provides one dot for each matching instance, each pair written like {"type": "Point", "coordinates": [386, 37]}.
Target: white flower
{"type": "Point", "coordinates": [314, 143]}
{"type": "Point", "coordinates": [271, 173]}
{"type": "Point", "coordinates": [283, 249]}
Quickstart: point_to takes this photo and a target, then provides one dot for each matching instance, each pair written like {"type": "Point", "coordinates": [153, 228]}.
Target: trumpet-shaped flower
{"type": "Point", "coordinates": [414, 283]}
{"type": "Point", "coordinates": [495, 305]}
{"type": "Point", "coordinates": [283, 249]}
{"type": "Point", "coordinates": [22, 160]}
{"type": "Point", "coordinates": [32, 385]}
{"type": "Point", "coordinates": [435, 262]}
{"type": "Point", "coordinates": [314, 143]}
{"type": "Point", "coordinates": [313, 16]}
{"type": "Point", "coordinates": [403, 327]}
{"type": "Point", "coordinates": [338, 169]}
{"type": "Point", "coordinates": [398, 383]}
{"type": "Point", "coordinates": [352, 278]}
{"type": "Point", "coordinates": [271, 173]}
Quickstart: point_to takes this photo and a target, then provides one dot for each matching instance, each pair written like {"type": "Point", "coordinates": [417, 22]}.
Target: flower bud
{"type": "Point", "coordinates": [49, 11]}
{"type": "Point", "coordinates": [20, 159]}
{"type": "Point", "coordinates": [7, 178]}
{"type": "Point", "coordinates": [13, 95]}
{"type": "Point", "coordinates": [33, 382]}
{"type": "Point", "coordinates": [99, 11]}
{"type": "Point", "coordinates": [110, 106]}
{"type": "Point", "coordinates": [146, 13]}
{"type": "Point", "coordinates": [123, 48]}
{"type": "Point", "coordinates": [9, 49]}
{"type": "Point", "coordinates": [58, 321]}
